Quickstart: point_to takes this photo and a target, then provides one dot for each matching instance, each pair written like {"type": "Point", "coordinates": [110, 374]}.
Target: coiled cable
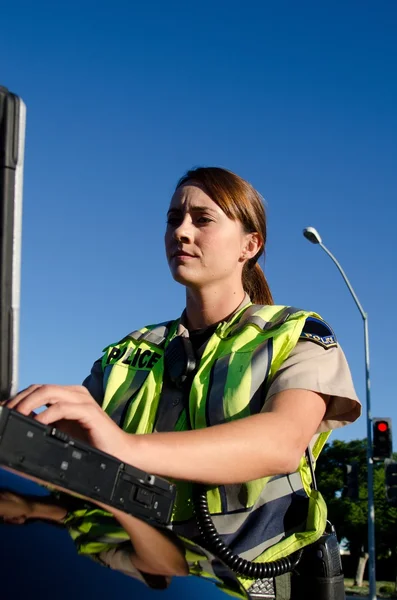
{"type": "Point", "coordinates": [239, 565]}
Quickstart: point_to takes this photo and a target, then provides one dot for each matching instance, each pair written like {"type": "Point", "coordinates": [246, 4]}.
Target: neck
{"type": "Point", "coordinates": [210, 306]}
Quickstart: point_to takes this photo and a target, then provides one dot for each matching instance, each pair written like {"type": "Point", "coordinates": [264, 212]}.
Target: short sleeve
{"type": "Point", "coordinates": [321, 370]}
{"type": "Point", "coordinates": [119, 559]}
{"type": "Point", "coordinates": [94, 381]}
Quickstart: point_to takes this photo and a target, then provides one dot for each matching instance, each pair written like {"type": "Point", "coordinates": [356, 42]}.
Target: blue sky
{"type": "Point", "coordinates": [123, 97]}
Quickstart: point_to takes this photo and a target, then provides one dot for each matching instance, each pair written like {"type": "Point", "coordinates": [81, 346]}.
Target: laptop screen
{"type": "Point", "coordinates": [12, 137]}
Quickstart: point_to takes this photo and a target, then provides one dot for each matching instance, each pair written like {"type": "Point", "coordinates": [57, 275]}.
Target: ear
{"type": "Point", "coordinates": [251, 247]}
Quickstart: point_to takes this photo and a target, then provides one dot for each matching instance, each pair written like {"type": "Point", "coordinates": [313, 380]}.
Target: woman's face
{"type": "Point", "coordinates": [203, 245]}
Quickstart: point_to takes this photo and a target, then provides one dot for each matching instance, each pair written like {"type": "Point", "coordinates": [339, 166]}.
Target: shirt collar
{"type": "Point", "coordinates": [182, 325]}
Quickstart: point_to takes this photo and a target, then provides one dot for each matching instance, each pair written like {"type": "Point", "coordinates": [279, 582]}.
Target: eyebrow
{"type": "Point", "coordinates": [193, 209]}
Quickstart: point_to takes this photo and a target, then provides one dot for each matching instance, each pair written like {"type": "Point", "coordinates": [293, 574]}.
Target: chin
{"type": "Point", "coordinates": [186, 281]}
{"type": "Point", "coordinates": [184, 278]}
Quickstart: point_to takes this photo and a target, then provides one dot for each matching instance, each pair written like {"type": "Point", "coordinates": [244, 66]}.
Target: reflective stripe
{"type": "Point", "coordinates": [260, 368]}
{"type": "Point", "coordinates": [135, 335]}
{"type": "Point", "coordinates": [274, 490]}
{"type": "Point", "coordinates": [214, 408]}
{"type": "Point", "coordinates": [251, 318]}
{"type": "Point", "coordinates": [279, 518]}
{"type": "Point", "coordinates": [94, 541]}
{"type": "Point", "coordinates": [246, 318]}
{"type": "Point", "coordinates": [253, 553]}
{"type": "Point", "coordinates": [259, 322]}
{"type": "Point", "coordinates": [109, 539]}
{"type": "Point", "coordinates": [260, 365]}
{"type": "Point", "coordinates": [282, 317]}
{"type": "Point", "coordinates": [293, 480]}
{"type": "Point", "coordinates": [236, 497]}
{"type": "Point", "coordinates": [118, 413]}
{"type": "Point", "coordinates": [226, 524]}
{"type": "Point", "coordinates": [154, 336]}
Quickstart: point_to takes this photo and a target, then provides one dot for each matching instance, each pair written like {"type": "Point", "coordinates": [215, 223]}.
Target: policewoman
{"type": "Point", "coordinates": [230, 401]}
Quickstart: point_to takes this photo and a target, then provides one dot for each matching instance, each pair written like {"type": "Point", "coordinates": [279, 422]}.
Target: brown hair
{"type": "Point", "coordinates": [239, 201]}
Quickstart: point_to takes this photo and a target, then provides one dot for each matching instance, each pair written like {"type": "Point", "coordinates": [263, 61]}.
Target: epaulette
{"type": "Point", "coordinates": [319, 332]}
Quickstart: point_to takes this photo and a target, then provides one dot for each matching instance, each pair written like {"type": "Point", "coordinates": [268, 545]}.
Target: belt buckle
{"type": "Point", "coordinates": [262, 588]}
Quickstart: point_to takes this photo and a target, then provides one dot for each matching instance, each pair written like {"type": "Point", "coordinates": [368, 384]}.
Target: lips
{"type": "Point", "coordinates": [181, 253]}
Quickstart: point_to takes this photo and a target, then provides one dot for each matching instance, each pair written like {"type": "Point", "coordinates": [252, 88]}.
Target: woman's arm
{"type": "Point", "coordinates": [18, 508]}
{"type": "Point", "coordinates": [270, 443]}
{"type": "Point", "coordinates": [152, 551]}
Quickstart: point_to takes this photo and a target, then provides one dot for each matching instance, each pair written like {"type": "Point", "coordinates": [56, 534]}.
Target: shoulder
{"type": "Point", "coordinates": [312, 359]}
{"type": "Point", "coordinates": [94, 381]}
{"type": "Point", "coordinates": [155, 333]}
{"type": "Point", "coordinates": [313, 327]}
{"type": "Point", "coordinates": [318, 331]}
{"type": "Point", "coordinates": [323, 369]}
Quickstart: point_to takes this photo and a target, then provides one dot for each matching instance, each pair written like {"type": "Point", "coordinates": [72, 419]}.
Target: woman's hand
{"type": "Point", "coordinates": [72, 409]}
{"type": "Point", "coordinates": [14, 508]}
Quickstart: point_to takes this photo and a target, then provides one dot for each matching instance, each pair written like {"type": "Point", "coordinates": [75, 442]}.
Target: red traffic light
{"type": "Point", "coordinates": [382, 426]}
{"type": "Point", "coordinates": [382, 444]}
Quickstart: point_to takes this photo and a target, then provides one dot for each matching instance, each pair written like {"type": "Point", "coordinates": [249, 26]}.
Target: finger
{"type": "Point", "coordinates": [64, 410]}
{"type": "Point", "coordinates": [39, 397]}
{"type": "Point", "coordinates": [15, 400]}
{"type": "Point", "coordinates": [48, 390]}
{"type": "Point", "coordinates": [46, 395]}
{"type": "Point", "coordinates": [73, 429]}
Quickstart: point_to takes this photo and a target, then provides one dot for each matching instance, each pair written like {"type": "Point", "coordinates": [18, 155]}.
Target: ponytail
{"type": "Point", "coordinates": [255, 284]}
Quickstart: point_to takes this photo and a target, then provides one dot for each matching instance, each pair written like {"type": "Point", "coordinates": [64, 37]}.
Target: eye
{"type": "Point", "coordinates": [173, 220]}
{"type": "Point", "coordinates": [203, 219]}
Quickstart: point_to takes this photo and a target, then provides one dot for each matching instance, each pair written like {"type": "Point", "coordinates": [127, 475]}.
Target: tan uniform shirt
{"type": "Point", "coordinates": [325, 371]}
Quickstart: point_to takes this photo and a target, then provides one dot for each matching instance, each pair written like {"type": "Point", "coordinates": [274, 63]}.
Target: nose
{"type": "Point", "coordinates": [183, 232]}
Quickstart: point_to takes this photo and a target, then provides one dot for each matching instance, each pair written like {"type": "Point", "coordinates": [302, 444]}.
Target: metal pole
{"type": "Point", "coordinates": [370, 470]}
{"type": "Point", "coordinates": [370, 476]}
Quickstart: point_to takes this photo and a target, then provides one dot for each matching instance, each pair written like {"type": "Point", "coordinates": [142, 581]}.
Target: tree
{"type": "Point", "coordinates": [350, 516]}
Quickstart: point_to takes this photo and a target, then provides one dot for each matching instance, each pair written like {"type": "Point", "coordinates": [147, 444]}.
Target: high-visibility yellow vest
{"type": "Point", "coordinates": [261, 520]}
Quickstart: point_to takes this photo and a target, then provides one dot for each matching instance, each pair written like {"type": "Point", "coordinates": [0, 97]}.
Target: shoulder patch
{"type": "Point", "coordinates": [319, 332]}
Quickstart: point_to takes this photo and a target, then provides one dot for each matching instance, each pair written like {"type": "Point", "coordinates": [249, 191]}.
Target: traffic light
{"type": "Point", "coordinates": [350, 480]}
{"type": "Point", "coordinates": [382, 439]}
{"type": "Point", "coordinates": [391, 481]}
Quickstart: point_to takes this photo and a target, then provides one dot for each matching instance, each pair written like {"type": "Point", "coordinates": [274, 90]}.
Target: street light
{"type": "Point", "coordinates": [313, 236]}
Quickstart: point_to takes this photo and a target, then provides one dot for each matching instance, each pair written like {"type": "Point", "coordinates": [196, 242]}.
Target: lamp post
{"type": "Point", "coordinates": [313, 236]}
